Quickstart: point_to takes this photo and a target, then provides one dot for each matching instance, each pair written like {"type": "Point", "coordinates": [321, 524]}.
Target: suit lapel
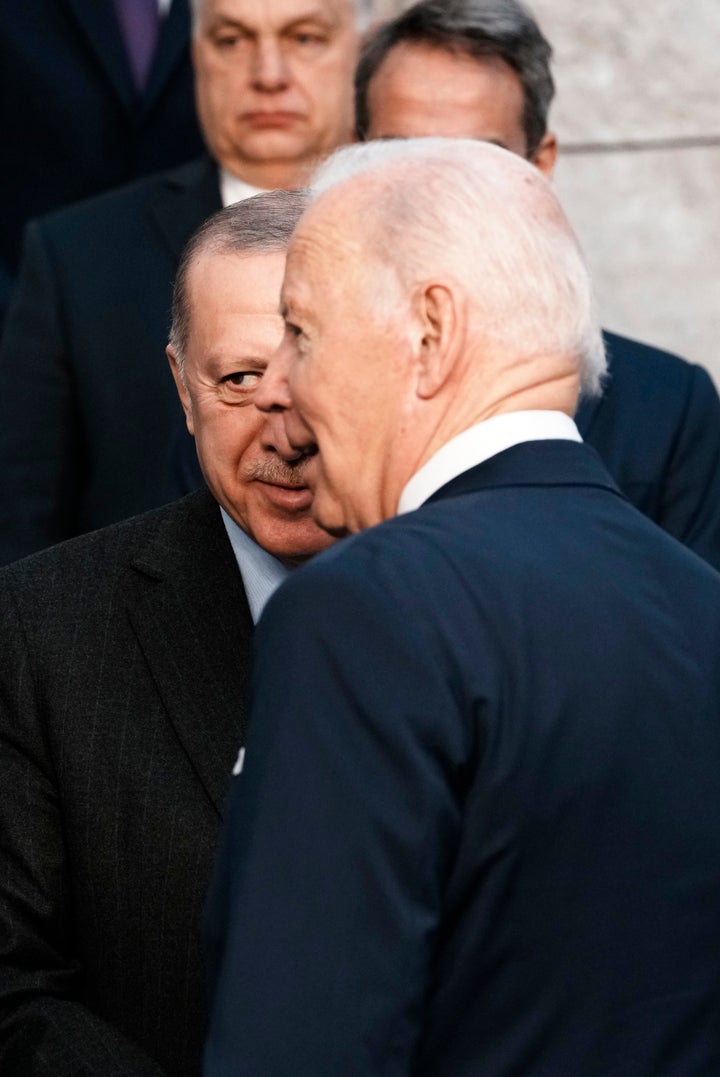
{"type": "Point", "coordinates": [189, 612]}
{"type": "Point", "coordinates": [188, 196]}
{"type": "Point", "coordinates": [98, 25]}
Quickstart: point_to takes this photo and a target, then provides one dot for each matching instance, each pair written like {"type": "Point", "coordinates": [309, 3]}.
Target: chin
{"type": "Point", "coordinates": [328, 514]}
{"type": "Point", "coordinates": [331, 525]}
{"type": "Point", "coordinates": [273, 145]}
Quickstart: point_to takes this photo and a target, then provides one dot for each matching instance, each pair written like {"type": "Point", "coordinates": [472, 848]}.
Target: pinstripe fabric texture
{"type": "Point", "coordinates": [123, 661]}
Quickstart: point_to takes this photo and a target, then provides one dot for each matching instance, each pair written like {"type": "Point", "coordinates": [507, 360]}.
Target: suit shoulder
{"type": "Point", "coordinates": [120, 204]}
{"type": "Point", "coordinates": [101, 555]}
{"type": "Point", "coordinates": [636, 364]}
{"type": "Point", "coordinates": [368, 571]}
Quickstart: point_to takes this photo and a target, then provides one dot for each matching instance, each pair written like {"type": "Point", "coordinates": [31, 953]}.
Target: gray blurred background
{"type": "Point", "coordinates": [637, 114]}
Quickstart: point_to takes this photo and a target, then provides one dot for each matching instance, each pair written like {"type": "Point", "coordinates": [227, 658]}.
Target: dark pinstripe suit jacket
{"type": "Point", "coordinates": [122, 672]}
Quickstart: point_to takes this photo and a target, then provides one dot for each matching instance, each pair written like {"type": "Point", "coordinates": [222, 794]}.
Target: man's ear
{"type": "Point", "coordinates": [441, 327]}
{"type": "Point", "coordinates": [545, 155]}
{"type": "Point", "coordinates": [181, 387]}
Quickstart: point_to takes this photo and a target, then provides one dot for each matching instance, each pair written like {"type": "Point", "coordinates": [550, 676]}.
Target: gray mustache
{"type": "Point", "coordinates": [280, 472]}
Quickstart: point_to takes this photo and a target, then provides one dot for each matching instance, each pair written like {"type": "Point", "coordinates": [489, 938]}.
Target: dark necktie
{"type": "Point", "coordinates": [140, 23]}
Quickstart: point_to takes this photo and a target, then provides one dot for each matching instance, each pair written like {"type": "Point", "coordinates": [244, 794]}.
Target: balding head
{"type": "Point", "coordinates": [432, 284]}
{"type": "Point", "coordinates": [479, 215]}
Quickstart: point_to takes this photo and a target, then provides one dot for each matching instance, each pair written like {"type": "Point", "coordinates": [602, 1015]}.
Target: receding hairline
{"type": "Point", "coordinates": [261, 225]}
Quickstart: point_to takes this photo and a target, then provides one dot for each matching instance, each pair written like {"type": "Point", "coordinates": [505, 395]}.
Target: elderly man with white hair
{"type": "Point", "coordinates": [477, 831]}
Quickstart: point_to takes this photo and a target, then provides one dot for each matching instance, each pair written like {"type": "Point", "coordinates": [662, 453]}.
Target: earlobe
{"type": "Point", "coordinates": [545, 155]}
{"type": "Point", "coordinates": [181, 388]}
{"type": "Point", "coordinates": [438, 346]}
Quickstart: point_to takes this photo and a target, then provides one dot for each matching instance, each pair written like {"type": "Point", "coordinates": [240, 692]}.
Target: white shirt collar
{"type": "Point", "coordinates": [164, 7]}
{"type": "Point", "coordinates": [261, 573]}
{"type": "Point", "coordinates": [479, 443]}
{"type": "Point", "coordinates": [234, 190]}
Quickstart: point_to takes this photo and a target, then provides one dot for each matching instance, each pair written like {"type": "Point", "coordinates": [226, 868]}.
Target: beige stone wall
{"type": "Point", "coordinates": [637, 113]}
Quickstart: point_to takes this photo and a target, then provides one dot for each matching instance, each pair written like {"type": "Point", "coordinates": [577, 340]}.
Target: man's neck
{"type": "Point", "coordinates": [273, 176]}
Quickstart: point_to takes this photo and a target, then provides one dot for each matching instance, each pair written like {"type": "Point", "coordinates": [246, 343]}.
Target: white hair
{"type": "Point", "coordinates": [489, 220]}
{"type": "Point", "coordinates": [364, 13]}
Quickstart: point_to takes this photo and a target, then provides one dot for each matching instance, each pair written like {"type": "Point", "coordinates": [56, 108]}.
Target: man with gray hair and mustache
{"type": "Point", "coordinates": [123, 662]}
{"type": "Point", "coordinates": [477, 829]}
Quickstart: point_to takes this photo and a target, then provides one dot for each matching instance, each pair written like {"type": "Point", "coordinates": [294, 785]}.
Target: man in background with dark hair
{"type": "Point", "coordinates": [481, 69]}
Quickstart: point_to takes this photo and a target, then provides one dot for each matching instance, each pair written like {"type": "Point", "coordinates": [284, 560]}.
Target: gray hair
{"type": "Point", "coordinates": [262, 224]}
{"type": "Point", "coordinates": [364, 11]}
{"type": "Point", "coordinates": [492, 223]}
{"type": "Point", "coordinates": [476, 28]}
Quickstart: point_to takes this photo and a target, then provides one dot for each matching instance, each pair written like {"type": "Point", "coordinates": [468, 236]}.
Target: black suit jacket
{"type": "Point", "coordinates": [72, 123]}
{"type": "Point", "coordinates": [123, 659]}
{"type": "Point", "coordinates": [88, 409]}
{"type": "Point", "coordinates": [478, 827]}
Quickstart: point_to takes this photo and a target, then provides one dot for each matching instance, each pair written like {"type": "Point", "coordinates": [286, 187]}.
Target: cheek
{"type": "Point", "coordinates": [222, 83]}
{"type": "Point", "coordinates": [224, 436]}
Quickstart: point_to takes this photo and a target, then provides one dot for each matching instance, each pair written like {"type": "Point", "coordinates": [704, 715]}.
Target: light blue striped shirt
{"type": "Point", "coordinates": [261, 573]}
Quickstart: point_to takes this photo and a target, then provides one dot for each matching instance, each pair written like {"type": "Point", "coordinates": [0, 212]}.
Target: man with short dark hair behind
{"type": "Point", "coordinates": [481, 69]}
{"type": "Point", "coordinates": [123, 660]}
{"type": "Point", "coordinates": [477, 829]}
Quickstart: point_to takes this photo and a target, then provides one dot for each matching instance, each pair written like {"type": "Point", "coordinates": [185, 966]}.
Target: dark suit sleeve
{"type": "Point", "coordinates": [41, 456]}
{"type": "Point", "coordinates": [690, 505]}
{"type": "Point", "coordinates": [341, 830]}
{"type": "Point", "coordinates": [44, 1030]}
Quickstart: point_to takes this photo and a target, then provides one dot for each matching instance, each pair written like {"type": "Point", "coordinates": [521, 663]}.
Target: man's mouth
{"type": "Point", "coordinates": [276, 119]}
{"type": "Point", "coordinates": [290, 497]}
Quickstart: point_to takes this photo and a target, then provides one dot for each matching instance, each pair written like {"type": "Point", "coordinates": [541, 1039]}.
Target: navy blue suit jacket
{"type": "Point", "coordinates": [657, 429]}
{"type": "Point", "coordinates": [71, 120]}
{"type": "Point", "coordinates": [88, 409]}
{"type": "Point", "coordinates": [478, 828]}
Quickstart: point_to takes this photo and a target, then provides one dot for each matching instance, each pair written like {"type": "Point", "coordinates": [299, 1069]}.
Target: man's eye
{"type": "Point", "coordinates": [228, 39]}
{"type": "Point", "coordinates": [308, 39]}
{"type": "Point", "coordinates": [243, 379]}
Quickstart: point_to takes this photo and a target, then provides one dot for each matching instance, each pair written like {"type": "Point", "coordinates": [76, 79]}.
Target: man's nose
{"type": "Point", "coordinates": [273, 393]}
{"type": "Point", "coordinates": [270, 67]}
{"type": "Point", "coordinates": [275, 439]}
